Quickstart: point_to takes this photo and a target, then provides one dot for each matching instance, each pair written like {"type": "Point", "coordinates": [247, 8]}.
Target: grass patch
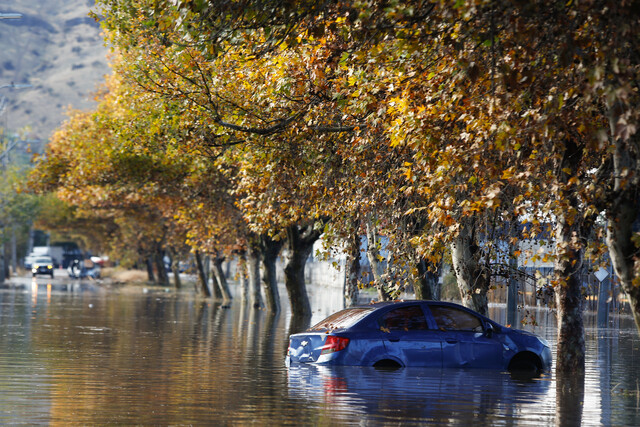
{"type": "Point", "coordinates": [119, 275]}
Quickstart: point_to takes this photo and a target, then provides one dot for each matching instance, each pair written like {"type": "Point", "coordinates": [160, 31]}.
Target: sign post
{"type": "Point", "coordinates": [603, 296]}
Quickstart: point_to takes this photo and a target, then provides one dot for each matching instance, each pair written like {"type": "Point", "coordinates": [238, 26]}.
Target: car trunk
{"type": "Point", "coordinates": [306, 347]}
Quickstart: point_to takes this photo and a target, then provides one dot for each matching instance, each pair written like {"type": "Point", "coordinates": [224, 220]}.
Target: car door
{"type": "Point", "coordinates": [465, 343]}
{"type": "Point", "coordinates": [407, 337]}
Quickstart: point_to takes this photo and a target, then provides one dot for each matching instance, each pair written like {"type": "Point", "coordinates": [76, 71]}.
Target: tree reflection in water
{"type": "Point", "coordinates": [569, 398]}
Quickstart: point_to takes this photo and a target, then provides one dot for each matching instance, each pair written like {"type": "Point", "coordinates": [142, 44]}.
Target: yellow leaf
{"type": "Point", "coordinates": [507, 173]}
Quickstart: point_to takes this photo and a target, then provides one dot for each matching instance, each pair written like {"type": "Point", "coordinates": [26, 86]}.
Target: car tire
{"type": "Point", "coordinates": [387, 364]}
{"type": "Point", "coordinates": [525, 364]}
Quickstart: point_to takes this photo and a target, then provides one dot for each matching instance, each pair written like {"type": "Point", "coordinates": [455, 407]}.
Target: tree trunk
{"type": "Point", "coordinates": [571, 346]}
{"type": "Point", "coordinates": [472, 278]}
{"type": "Point", "coordinates": [270, 251]}
{"type": "Point", "coordinates": [244, 276]}
{"type": "Point", "coordinates": [375, 260]}
{"type": "Point", "coordinates": [220, 278]}
{"type": "Point", "coordinates": [175, 268]}
{"type": "Point", "coordinates": [7, 263]}
{"type": "Point", "coordinates": [622, 252]}
{"type": "Point", "coordinates": [30, 241]}
{"type": "Point", "coordinates": [622, 212]}
{"type": "Point", "coordinates": [512, 291]}
{"type": "Point", "coordinates": [254, 276]}
{"type": "Point", "coordinates": [427, 285]}
{"type": "Point", "coordinates": [211, 275]}
{"type": "Point", "coordinates": [570, 232]}
{"type": "Point", "coordinates": [352, 275]}
{"type": "Point", "coordinates": [163, 277]}
{"type": "Point", "coordinates": [300, 241]}
{"type": "Point", "coordinates": [150, 276]}
{"type": "Point", "coordinates": [201, 285]}
{"type": "Point", "coordinates": [14, 251]}
{"type": "Point", "coordinates": [514, 275]}
{"type": "Point", "coordinates": [2, 262]}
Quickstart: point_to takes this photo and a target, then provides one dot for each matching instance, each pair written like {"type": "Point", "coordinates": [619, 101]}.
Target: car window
{"type": "Point", "coordinates": [342, 319]}
{"type": "Point", "coordinates": [404, 319]}
{"type": "Point", "coordinates": [43, 260]}
{"type": "Point", "coordinates": [454, 319]}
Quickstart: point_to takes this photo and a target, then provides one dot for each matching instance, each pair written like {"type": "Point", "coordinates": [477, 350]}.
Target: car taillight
{"type": "Point", "coordinates": [333, 344]}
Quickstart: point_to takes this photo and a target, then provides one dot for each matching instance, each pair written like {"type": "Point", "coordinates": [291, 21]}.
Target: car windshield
{"type": "Point", "coordinates": [43, 260]}
{"type": "Point", "coordinates": [342, 319]}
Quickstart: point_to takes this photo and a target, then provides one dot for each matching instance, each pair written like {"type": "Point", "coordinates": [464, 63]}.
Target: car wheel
{"type": "Point", "coordinates": [52, 274]}
{"type": "Point", "coordinates": [525, 364]}
{"type": "Point", "coordinates": [34, 274]}
{"type": "Point", "coordinates": [387, 364]}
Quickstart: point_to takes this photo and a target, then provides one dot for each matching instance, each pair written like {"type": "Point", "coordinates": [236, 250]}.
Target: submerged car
{"type": "Point", "coordinates": [431, 334]}
{"type": "Point", "coordinates": [42, 265]}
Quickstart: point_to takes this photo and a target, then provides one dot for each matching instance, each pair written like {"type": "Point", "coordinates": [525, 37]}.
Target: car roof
{"type": "Point", "coordinates": [374, 307]}
{"type": "Point", "coordinates": [382, 304]}
{"type": "Point", "coordinates": [399, 303]}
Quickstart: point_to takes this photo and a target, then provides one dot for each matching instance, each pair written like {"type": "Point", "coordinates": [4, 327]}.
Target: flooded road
{"type": "Point", "coordinates": [84, 354]}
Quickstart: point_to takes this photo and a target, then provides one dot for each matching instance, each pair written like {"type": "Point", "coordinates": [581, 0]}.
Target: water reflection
{"type": "Point", "coordinates": [471, 397]}
{"type": "Point", "coordinates": [89, 355]}
{"type": "Point", "coordinates": [569, 398]}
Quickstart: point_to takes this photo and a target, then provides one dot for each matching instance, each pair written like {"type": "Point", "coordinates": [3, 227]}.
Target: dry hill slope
{"type": "Point", "coordinates": [57, 49]}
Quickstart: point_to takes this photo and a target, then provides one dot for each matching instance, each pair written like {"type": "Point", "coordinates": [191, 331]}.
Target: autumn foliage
{"type": "Point", "coordinates": [450, 128]}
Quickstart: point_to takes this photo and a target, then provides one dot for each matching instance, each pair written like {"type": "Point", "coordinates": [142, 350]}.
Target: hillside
{"type": "Point", "coordinates": [57, 49]}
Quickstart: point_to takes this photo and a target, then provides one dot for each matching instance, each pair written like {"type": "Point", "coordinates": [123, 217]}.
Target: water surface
{"type": "Point", "coordinates": [85, 354]}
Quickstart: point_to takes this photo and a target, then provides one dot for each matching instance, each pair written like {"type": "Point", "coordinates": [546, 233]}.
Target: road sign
{"type": "Point", "coordinates": [601, 274]}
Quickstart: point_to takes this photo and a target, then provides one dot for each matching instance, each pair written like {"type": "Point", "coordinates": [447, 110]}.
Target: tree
{"type": "Point", "coordinates": [17, 212]}
{"type": "Point", "coordinates": [94, 165]}
{"type": "Point", "coordinates": [445, 122]}
{"type": "Point", "coordinates": [613, 80]}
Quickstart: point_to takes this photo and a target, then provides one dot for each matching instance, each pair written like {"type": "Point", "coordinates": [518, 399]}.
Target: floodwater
{"type": "Point", "coordinates": [83, 354]}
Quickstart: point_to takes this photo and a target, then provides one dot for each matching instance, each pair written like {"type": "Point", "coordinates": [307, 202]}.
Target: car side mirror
{"type": "Point", "coordinates": [488, 330]}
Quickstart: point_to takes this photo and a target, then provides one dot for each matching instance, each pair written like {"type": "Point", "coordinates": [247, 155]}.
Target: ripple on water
{"type": "Point", "coordinates": [164, 359]}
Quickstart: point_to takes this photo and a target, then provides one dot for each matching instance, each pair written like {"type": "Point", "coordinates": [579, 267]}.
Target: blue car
{"type": "Point", "coordinates": [431, 334]}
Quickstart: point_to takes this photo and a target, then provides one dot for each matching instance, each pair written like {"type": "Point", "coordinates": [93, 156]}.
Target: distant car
{"type": "Point", "coordinates": [431, 334]}
{"type": "Point", "coordinates": [42, 265]}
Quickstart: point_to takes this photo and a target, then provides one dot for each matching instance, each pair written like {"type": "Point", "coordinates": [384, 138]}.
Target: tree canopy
{"type": "Point", "coordinates": [446, 127]}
